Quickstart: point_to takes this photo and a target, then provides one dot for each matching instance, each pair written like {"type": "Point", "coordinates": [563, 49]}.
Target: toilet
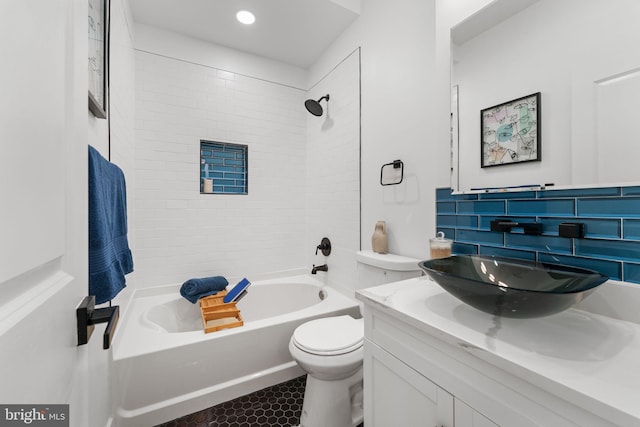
{"type": "Point", "coordinates": [330, 349]}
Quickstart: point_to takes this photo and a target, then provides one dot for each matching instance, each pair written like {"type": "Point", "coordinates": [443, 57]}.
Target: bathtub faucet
{"type": "Point", "coordinates": [322, 267]}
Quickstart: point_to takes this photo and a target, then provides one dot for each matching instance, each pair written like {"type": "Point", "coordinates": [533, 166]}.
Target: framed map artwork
{"type": "Point", "coordinates": [98, 57]}
{"type": "Point", "coordinates": [510, 132]}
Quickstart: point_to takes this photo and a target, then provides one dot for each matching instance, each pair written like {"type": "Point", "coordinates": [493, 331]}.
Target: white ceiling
{"type": "Point", "coordinates": [295, 32]}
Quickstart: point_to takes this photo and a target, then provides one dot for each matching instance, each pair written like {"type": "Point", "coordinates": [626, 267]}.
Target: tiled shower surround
{"type": "Point", "coordinates": [611, 218]}
{"type": "Point", "coordinates": [181, 233]}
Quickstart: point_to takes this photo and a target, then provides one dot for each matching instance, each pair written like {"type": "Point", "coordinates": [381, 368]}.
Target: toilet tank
{"type": "Point", "coordinates": [377, 269]}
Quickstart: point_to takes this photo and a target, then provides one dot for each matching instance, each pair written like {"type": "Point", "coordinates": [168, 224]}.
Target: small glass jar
{"type": "Point", "coordinates": [440, 247]}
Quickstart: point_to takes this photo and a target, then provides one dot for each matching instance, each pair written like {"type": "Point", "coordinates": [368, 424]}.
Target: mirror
{"type": "Point", "coordinates": [583, 59]}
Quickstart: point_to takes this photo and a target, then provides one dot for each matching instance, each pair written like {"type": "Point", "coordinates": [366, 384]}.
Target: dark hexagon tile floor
{"type": "Point", "coordinates": [276, 406]}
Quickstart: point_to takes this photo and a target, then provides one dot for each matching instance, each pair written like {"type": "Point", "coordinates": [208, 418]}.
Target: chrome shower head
{"type": "Point", "coordinates": [314, 106]}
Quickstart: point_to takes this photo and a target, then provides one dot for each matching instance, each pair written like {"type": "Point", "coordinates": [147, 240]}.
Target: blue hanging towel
{"type": "Point", "coordinates": [109, 254]}
{"type": "Point", "coordinates": [194, 289]}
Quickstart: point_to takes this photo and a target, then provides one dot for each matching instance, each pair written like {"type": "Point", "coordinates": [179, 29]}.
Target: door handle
{"type": "Point", "coordinates": [87, 316]}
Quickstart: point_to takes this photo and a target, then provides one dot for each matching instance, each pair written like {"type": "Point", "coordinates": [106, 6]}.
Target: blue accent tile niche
{"type": "Point", "coordinates": [223, 168]}
{"type": "Point", "coordinates": [611, 218]}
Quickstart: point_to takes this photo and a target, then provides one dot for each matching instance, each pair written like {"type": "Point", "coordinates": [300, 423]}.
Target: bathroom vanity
{"type": "Point", "coordinates": [431, 360]}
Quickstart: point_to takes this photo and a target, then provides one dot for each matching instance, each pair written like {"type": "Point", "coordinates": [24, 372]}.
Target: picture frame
{"type": "Point", "coordinates": [510, 132]}
{"type": "Point", "coordinates": [98, 37]}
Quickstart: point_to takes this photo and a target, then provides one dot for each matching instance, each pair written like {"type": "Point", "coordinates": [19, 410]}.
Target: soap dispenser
{"type": "Point", "coordinates": [440, 247]}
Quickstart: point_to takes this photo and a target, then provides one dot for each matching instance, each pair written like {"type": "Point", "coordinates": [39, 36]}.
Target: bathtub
{"type": "Point", "coordinates": [164, 366]}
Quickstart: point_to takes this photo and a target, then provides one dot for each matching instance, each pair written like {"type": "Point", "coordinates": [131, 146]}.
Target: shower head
{"type": "Point", "coordinates": [314, 106]}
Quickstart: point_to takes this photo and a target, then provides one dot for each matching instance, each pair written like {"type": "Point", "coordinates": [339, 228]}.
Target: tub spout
{"type": "Point", "coordinates": [322, 267]}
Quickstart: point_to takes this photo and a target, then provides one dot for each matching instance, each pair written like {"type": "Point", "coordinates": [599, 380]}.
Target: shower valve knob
{"type": "Point", "coordinates": [324, 246]}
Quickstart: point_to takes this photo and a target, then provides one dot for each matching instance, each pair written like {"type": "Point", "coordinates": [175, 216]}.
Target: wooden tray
{"type": "Point", "coordinates": [217, 315]}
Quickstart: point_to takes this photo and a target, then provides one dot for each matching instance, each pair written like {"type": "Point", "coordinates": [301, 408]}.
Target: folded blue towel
{"type": "Point", "coordinates": [194, 289]}
{"type": "Point", "coordinates": [109, 255]}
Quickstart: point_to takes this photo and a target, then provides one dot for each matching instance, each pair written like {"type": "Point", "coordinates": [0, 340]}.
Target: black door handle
{"type": "Point", "coordinates": [87, 316]}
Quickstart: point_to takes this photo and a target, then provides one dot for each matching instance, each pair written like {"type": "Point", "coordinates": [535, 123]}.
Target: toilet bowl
{"type": "Point", "coordinates": [330, 350]}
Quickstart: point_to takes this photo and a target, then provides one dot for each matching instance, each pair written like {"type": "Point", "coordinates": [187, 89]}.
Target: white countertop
{"type": "Point", "coordinates": [588, 359]}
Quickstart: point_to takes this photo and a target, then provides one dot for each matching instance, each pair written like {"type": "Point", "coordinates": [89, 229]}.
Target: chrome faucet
{"type": "Point", "coordinates": [322, 267]}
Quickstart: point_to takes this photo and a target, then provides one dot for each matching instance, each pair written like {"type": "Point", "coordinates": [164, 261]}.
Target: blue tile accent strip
{"type": "Point", "coordinates": [631, 191]}
{"type": "Point", "coordinates": [464, 249]}
{"type": "Point", "coordinates": [482, 237]}
{"type": "Point", "coordinates": [547, 207]}
{"type": "Point", "coordinates": [446, 207]}
{"type": "Point", "coordinates": [593, 228]}
{"type": "Point", "coordinates": [609, 249]}
{"type": "Point", "coordinates": [631, 229]}
{"type": "Point", "coordinates": [226, 164]}
{"type": "Point", "coordinates": [632, 272]}
{"type": "Point", "coordinates": [580, 192]}
{"type": "Point", "coordinates": [613, 207]}
{"type": "Point", "coordinates": [495, 207]}
{"type": "Point", "coordinates": [512, 195]}
{"type": "Point", "coordinates": [538, 243]}
{"type": "Point", "coordinates": [459, 221]}
{"type": "Point", "coordinates": [608, 268]}
{"type": "Point", "coordinates": [509, 253]}
{"type": "Point", "coordinates": [611, 218]}
{"type": "Point", "coordinates": [443, 194]}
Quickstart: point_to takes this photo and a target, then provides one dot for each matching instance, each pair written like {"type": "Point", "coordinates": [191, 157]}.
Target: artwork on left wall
{"type": "Point", "coordinates": [510, 132]}
{"type": "Point", "coordinates": [98, 57]}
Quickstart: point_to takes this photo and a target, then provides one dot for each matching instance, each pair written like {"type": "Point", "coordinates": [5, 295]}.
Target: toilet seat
{"type": "Point", "coordinates": [330, 336]}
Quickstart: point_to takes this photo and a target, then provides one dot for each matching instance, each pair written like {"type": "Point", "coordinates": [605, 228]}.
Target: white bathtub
{"type": "Point", "coordinates": [165, 366]}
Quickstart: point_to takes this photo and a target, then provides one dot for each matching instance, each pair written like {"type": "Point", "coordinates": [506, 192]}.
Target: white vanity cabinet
{"type": "Point", "coordinates": [400, 396]}
{"type": "Point", "coordinates": [397, 395]}
{"type": "Point", "coordinates": [421, 370]}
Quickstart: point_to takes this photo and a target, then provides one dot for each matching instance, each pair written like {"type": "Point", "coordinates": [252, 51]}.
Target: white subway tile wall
{"type": "Point", "coordinates": [181, 233]}
{"type": "Point", "coordinates": [333, 172]}
{"type": "Point", "coordinates": [122, 105]}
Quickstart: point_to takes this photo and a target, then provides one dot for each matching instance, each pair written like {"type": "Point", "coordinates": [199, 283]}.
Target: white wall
{"type": "Point", "coordinates": [333, 173]}
{"type": "Point", "coordinates": [172, 45]}
{"type": "Point", "coordinates": [181, 233]}
{"type": "Point", "coordinates": [402, 118]}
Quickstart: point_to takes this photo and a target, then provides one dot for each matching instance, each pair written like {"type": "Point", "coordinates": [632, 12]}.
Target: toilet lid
{"type": "Point", "coordinates": [330, 335]}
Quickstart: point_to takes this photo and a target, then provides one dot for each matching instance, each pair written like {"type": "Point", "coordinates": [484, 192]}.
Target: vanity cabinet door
{"type": "Point", "coordinates": [466, 416]}
{"type": "Point", "coordinates": [397, 395]}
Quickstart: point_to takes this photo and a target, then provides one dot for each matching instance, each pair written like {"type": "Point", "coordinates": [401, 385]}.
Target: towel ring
{"type": "Point", "coordinates": [397, 164]}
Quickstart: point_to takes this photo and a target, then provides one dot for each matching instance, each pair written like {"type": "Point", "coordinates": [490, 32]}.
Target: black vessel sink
{"type": "Point", "coordinates": [511, 287]}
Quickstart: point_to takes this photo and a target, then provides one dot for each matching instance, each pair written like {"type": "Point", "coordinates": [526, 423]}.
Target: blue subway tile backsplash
{"type": "Point", "coordinates": [610, 215]}
{"type": "Point", "coordinates": [226, 164]}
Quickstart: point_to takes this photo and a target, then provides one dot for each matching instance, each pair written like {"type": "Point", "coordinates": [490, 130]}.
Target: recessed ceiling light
{"type": "Point", "coordinates": [246, 17]}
